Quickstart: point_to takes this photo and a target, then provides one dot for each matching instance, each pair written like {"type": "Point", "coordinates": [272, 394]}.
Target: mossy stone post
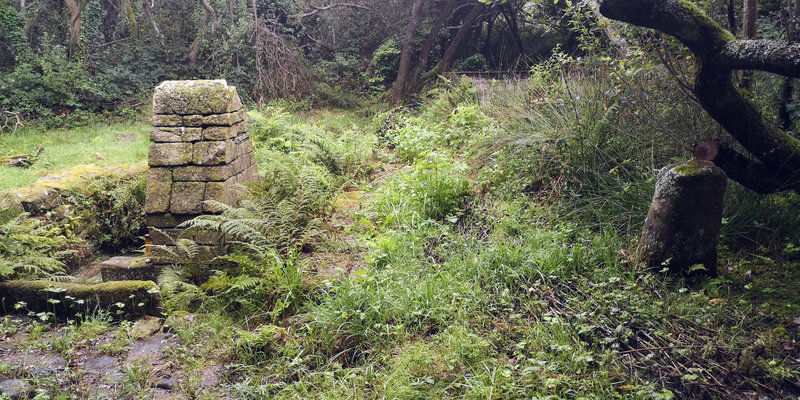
{"type": "Point", "coordinates": [200, 150]}
{"type": "Point", "coordinates": [683, 224]}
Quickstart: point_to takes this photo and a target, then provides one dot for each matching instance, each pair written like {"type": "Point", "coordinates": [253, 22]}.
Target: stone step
{"type": "Point", "coordinates": [128, 268]}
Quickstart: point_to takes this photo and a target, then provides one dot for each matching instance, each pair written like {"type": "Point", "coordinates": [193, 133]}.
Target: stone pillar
{"type": "Point", "coordinates": [200, 151]}
{"type": "Point", "coordinates": [685, 217]}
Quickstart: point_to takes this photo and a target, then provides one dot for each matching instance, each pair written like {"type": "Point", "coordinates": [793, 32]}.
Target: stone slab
{"type": "Point", "coordinates": [167, 120]}
{"type": "Point", "coordinates": [166, 220]}
{"type": "Point", "coordinates": [124, 268]}
{"type": "Point", "coordinates": [214, 153]}
{"type": "Point", "coordinates": [170, 154]}
{"type": "Point", "coordinates": [169, 236]}
{"type": "Point", "coordinates": [195, 97]}
{"type": "Point", "coordinates": [176, 134]}
{"type": "Point", "coordinates": [219, 132]}
{"type": "Point", "coordinates": [187, 198]}
{"type": "Point", "coordinates": [159, 184]}
{"type": "Point", "coordinates": [198, 173]}
{"type": "Point", "coordinates": [223, 192]}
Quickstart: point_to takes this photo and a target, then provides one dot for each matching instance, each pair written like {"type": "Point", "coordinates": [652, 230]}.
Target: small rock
{"type": "Point", "coordinates": [152, 347]}
{"type": "Point", "coordinates": [168, 382]}
{"type": "Point", "coordinates": [100, 363]}
{"type": "Point", "coordinates": [14, 388]}
{"type": "Point", "coordinates": [147, 326]}
{"type": "Point", "coordinates": [209, 377]}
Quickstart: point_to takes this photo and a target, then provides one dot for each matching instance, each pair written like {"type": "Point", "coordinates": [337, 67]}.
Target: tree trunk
{"type": "Point", "coordinates": [785, 117]}
{"type": "Point", "coordinates": [450, 53]}
{"type": "Point", "coordinates": [731, 11]}
{"type": "Point", "coordinates": [749, 31]}
{"type": "Point", "coordinates": [149, 16]}
{"type": "Point", "coordinates": [405, 53]}
{"type": "Point", "coordinates": [131, 18]}
{"type": "Point", "coordinates": [488, 42]}
{"type": "Point", "coordinates": [773, 161]}
{"type": "Point", "coordinates": [511, 21]}
{"type": "Point", "coordinates": [212, 15]}
{"type": "Point", "coordinates": [194, 49]}
{"type": "Point", "coordinates": [413, 80]}
{"type": "Point", "coordinates": [75, 10]}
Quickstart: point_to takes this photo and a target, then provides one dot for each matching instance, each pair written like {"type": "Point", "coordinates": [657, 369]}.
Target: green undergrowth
{"type": "Point", "coordinates": [496, 245]}
{"type": "Point", "coordinates": [501, 264]}
{"type": "Point", "coordinates": [104, 145]}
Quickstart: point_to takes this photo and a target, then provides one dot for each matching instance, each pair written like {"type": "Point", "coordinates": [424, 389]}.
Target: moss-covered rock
{"type": "Point", "coordinates": [123, 299]}
{"type": "Point", "coordinates": [48, 191]}
{"type": "Point", "coordinates": [201, 97]}
{"type": "Point", "coordinates": [126, 268]}
{"type": "Point", "coordinates": [683, 224]}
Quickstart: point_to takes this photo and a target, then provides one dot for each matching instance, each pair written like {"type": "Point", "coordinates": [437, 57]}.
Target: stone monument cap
{"type": "Point", "coordinates": [195, 97]}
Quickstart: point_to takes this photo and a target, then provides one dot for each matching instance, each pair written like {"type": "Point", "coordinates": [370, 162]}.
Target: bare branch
{"type": "Point", "coordinates": [212, 14]}
{"type": "Point", "coordinates": [317, 10]}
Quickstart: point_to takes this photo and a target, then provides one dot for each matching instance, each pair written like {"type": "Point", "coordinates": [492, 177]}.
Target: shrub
{"type": "Point", "coordinates": [434, 188]}
{"type": "Point", "coordinates": [385, 62]}
{"type": "Point", "coordinates": [473, 63]}
{"type": "Point", "coordinates": [116, 210]}
{"type": "Point", "coordinates": [413, 140]}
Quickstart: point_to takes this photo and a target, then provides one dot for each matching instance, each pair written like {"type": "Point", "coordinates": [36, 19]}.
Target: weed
{"type": "Point", "coordinates": [434, 188]}
{"type": "Point", "coordinates": [137, 376]}
{"type": "Point", "coordinates": [120, 340]}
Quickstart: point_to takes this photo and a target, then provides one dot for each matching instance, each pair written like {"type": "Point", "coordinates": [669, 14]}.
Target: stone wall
{"type": "Point", "coordinates": [200, 151]}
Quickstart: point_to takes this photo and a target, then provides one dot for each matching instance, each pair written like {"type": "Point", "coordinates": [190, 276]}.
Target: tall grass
{"type": "Point", "coordinates": [588, 138]}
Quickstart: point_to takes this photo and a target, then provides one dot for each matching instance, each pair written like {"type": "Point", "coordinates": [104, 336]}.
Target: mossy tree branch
{"type": "Point", "coordinates": [776, 166]}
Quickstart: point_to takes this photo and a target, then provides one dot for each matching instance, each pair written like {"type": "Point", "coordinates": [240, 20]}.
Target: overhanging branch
{"type": "Point", "coordinates": [776, 56]}
{"type": "Point", "coordinates": [718, 54]}
{"type": "Point", "coordinates": [679, 18]}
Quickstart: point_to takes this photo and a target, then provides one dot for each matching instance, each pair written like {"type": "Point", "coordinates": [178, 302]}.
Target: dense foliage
{"type": "Point", "coordinates": [479, 242]}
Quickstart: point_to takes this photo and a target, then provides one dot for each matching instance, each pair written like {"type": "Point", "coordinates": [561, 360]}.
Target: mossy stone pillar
{"type": "Point", "coordinates": [200, 151]}
{"type": "Point", "coordinates": [683, 224]}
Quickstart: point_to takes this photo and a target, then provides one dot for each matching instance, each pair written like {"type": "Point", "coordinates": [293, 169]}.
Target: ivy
{"type": "Point", "coordinates": [11, 25]}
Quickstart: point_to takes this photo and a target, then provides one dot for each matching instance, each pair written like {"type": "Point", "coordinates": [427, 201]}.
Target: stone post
{"type": "Point", "coordinates": [683, 224]}
{"type": "Point", "coordinates": [200, 151]}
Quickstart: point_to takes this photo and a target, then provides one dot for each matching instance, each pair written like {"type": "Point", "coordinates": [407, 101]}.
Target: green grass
{"type": "Point", "coordinates": [116, 144]}
{"type": "Point", "coordinates": [488, 272]}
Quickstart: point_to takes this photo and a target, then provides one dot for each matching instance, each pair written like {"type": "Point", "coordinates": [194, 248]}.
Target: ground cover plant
{"type": "Point", "coordinates": [473, 249]}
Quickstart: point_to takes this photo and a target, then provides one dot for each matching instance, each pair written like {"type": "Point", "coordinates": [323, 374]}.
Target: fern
{"type": "Point", "coordinates": [30, 249]}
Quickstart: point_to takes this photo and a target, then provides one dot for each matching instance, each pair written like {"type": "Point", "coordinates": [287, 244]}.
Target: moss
{"type": "Point", "coordinates": [75, 178]}
{"type": "Point", "coordinates": [202, 97]}
{"type": "Point", "coordinates": [697, 167]}
{"type": "Point", "coordinates": [125, 298]}
{"type": "Point", "coordinates": [705, 25]}
{"type": "Point", "coordinates": [45, 194]}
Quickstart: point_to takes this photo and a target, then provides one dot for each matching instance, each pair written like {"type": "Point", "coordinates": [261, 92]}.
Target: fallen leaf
{"type": "Point", "coordinates": [717, 301]}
